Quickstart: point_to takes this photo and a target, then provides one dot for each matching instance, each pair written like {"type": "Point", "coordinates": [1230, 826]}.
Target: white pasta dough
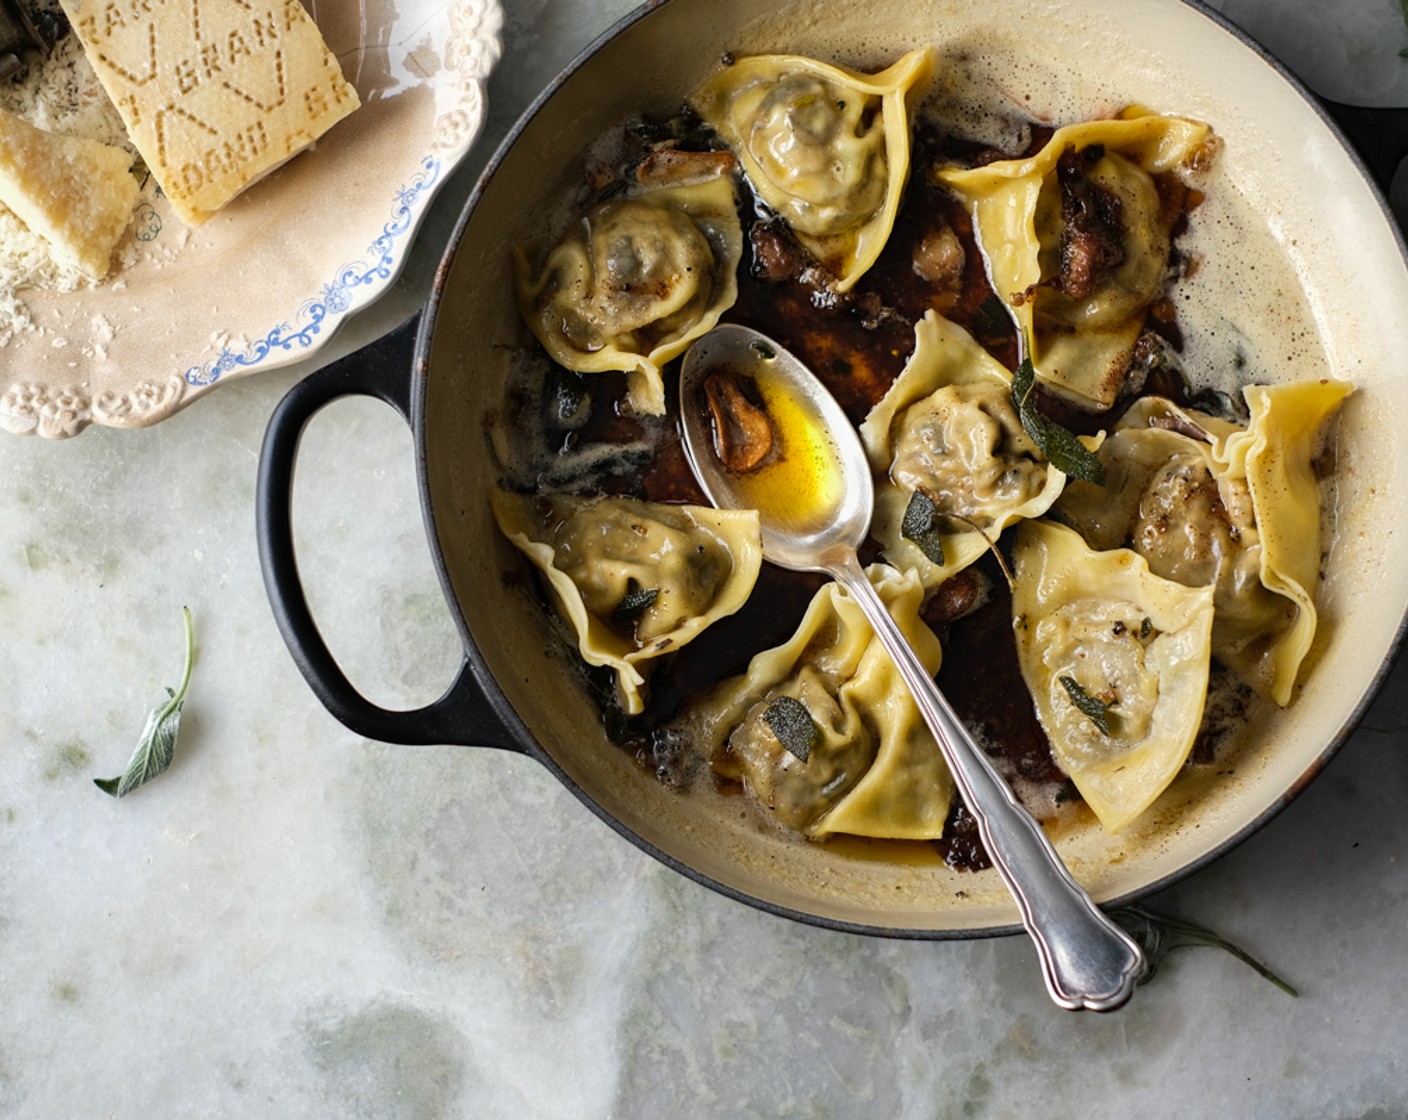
{"type": "Point", "coordinates": [635, 282]}
{"type": "Point", "coordinates": [824, 146]}
{"type": "Point", "coordinates": [1207, 502]}
{"type": "Point", "coordinates": [1081, 346]}
{"type": "Point", "coordinates": [635, 580]}
{"type": "Point", "coordinates": [873, 768]}
{"type": "Point", "coordinates": [948, 427]}
{"type": "Point", "coordinates": [1102, 627]}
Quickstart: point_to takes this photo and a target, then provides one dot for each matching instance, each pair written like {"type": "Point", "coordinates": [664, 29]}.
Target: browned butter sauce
{"type": "Point", "coordinates": [857, 344]}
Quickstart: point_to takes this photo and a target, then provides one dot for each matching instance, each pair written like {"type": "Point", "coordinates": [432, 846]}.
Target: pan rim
{"type": "Point", "coordinates": [527, 742]}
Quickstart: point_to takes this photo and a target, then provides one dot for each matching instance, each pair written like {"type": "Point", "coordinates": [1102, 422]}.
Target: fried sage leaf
{"type": "Point", "coordinates": [793, 725]}
{"type": "Point", "coordinates": [1158, 935]}
{"type": "Point", "coordinates": [636, 601]}
{"type": "Point", "coordinates": [992, 318]}
{"type": "Point", "coordinates": [1062, 449]}
{"type": "Point", "coordinates": [921, 526]}
{"type": "Point", "coordinates": [1092, 707]}
{"type": "Point", "coordinates": [158, 742]}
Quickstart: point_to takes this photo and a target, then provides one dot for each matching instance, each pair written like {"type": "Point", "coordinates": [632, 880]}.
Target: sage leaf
{"type": "Point", "coordinates": [1067, 792]}
{"type": "Point", "coordinates": [992, 317]}
{"type": "Point", "coordinates": [793, 725]}
{"type": "Point", "coordinates": [1092, 707]}
{"type": "Point", "coordinates": [921, 526]}
{"type": "Point", "coordinates": [1062, 449]}
{"type": "Point", "coordinates": [158, 742]}
{"type": "Point", "coordinates": [1158, 935]}
{"type": "Point", "coordinates": [636, 602]}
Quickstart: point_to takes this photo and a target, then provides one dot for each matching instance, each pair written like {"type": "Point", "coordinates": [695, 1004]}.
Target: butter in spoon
{"type": "Point", "coordinates": [761, 432]}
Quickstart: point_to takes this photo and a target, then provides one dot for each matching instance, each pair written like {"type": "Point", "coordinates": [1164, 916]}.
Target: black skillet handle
{"type": "Point", "coordinates": [1380, 136]}
{"type": "Point", "coordinates": [464, 715]}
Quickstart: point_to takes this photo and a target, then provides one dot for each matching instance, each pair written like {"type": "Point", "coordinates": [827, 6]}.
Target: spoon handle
{"type": "Point", "coordinates": [1088, 962]}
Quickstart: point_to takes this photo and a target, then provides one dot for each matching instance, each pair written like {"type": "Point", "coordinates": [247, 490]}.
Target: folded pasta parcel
{"type": "Point", "coordinates": [1077, 240]}
{"type": "Point", "coordinates": [214, 94]}
{"type": "Point", "coordinates": [825, 147]}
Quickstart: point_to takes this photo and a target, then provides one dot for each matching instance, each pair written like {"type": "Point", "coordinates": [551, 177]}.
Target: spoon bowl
{"type": "Point", "coordinates": [821, 510]}
{"type": "Point", "coordinates": [762, 432]}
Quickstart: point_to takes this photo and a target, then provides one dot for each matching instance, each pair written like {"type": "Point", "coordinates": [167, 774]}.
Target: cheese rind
{"type": "Point", "coordinates": [77, 194]}
{"type": "Point", "coordinates": [214, 93]}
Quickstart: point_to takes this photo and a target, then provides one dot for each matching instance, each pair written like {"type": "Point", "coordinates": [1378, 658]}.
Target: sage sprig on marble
{"type": "Point", "coordinates": [1158, 935]}
{"type": "Point", "coordinates": [158, 742]}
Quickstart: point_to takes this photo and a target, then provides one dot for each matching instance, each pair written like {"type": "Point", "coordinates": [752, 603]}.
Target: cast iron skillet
{"type": "Point", "coordinates": [417, 370]}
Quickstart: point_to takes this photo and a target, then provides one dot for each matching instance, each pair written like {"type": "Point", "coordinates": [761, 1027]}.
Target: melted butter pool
{"type": "Point", "coordinates": [798, 487]}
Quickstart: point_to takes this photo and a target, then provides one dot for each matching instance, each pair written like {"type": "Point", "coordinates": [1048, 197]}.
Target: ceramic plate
{"type": "Point", "coordinates": [268, 280]}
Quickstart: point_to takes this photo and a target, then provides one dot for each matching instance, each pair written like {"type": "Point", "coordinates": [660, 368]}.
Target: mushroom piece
{"type": "Point", "coordinates": [743, 434]}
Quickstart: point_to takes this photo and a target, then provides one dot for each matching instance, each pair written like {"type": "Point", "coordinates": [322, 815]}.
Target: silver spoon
{"type": "Point", "coordinates": [815, 512]}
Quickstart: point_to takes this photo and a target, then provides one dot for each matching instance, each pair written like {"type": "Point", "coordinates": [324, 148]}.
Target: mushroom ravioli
{"type": "Point", "coordinates": [1116, 659]}
{"type": "Point", "coordinates": [635, 283]}
{"type": "Point", "coordinates": [1124, 549]}
{"type": "Point", "coordinates": [635, 580]}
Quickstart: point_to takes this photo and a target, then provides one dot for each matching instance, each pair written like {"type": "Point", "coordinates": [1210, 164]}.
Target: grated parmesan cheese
{"type": "Point", "coordinates": [61, 94]}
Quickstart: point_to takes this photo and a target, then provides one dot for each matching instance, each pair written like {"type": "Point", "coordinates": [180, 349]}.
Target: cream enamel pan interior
{"type": "Point", "coordinates": [1097, 54]}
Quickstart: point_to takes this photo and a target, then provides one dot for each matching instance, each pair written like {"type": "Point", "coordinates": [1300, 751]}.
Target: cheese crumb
{"type": "Point", "coordinates": [61, 95]}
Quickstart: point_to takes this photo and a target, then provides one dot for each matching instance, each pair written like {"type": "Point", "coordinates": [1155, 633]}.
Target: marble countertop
{"type": "Point", "coordinates": [294, 922]}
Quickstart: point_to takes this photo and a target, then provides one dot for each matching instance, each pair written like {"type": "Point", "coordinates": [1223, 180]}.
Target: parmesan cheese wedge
{"type": "Point", "coordinates": [214, 93]}
{"type": "Point", "coordinates": [77, 194]}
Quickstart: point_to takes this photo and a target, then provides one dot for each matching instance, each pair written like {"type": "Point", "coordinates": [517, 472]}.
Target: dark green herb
{"type": "Point", "coordinates": [764, 351]}
{"type": "Point", "coordinates": [1062, 449]}
{"type": "Point", "coordinates": [1158, 935]}
{"type": "Point", "coordinates": [685, 131]}
{"type": "Point", "coordinates": [1066, 792]}
{"type": "Point", "coordinates": [1145, 629]}
{"type": "Point", "coordinates": [992, 317]}
{"type": "Point", "coordinates": [1217, 403]}
{"type": "Point", "coordinates": [1092, 707]}
{"type": "Point", "coordinates": [793, 725]}
{"type": "Point", "coordinates": [637, 601]}
{"type": "Point", "coordinates": [158, 741]}
{"type": "Point", "coordinates": [921, 525]}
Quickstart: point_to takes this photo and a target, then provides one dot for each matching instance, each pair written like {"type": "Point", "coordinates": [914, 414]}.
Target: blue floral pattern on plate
{"type": "Point", "coordinates": [339, 294]}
